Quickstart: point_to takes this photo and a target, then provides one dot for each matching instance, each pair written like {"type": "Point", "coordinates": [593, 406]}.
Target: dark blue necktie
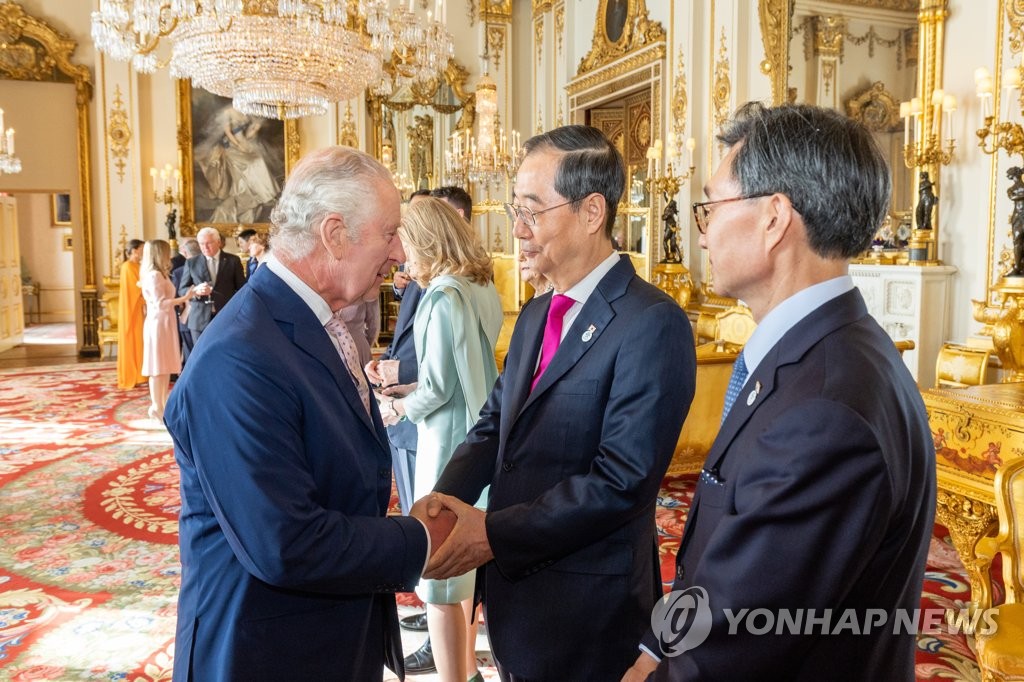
{"type": "Point", "coordinates": [736, 381]}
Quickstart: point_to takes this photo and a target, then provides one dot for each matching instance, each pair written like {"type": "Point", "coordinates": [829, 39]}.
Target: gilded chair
{"type": "Point", "coordinates": [107, 322]}
{"type": "Point", "coordinates": [959, 366]}
{"type": "Point", "coordinates": [1001, 651]}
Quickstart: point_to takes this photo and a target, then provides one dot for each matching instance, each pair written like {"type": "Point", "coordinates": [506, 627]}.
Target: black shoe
{"type": "Point", "coordinates": [421, 661]}
{"type": "Point", "coordinates": [417, 623]}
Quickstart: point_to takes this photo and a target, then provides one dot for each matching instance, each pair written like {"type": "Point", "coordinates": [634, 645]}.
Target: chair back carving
{"type": "Point", "coordinates": [107, 322]}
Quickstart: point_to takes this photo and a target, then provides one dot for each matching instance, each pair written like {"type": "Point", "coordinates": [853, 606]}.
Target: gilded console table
{"type": "Point", "coordinates": [975, 429]}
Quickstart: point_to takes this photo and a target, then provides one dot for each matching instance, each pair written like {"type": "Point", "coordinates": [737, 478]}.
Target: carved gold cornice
{"type": "Point", "coordinates": [541, 6]}
{"type": "Point", "coordinates": [641, 58]}
{"type": "Point", "coordinates": [775, 17]}
{"type": "Point", "coordinates": [828, 36]}
{"type": "Point", "coordinates": [496, 10]}
{"type": "Point", "coordinates": [559, 26]}
{"type": "Point", "coordinates": [895, 5]}
{"type": "Point", "coordinates": [637, 32]}
{"type": "Point", "coordinates": [538, 36]}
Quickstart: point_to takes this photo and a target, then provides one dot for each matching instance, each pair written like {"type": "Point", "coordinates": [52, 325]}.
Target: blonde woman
{"type": "Point", "coordinates": [456, 328]}
{"type": "Point", "coordinates": [161, 349]}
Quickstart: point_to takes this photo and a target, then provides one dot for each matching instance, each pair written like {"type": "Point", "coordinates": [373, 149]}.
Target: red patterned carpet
{"type": "Point", "coordinates": [88, 518]}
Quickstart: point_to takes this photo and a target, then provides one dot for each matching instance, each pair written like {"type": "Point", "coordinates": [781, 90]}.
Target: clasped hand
{"type": "Point", "coordinates": [464, 546]}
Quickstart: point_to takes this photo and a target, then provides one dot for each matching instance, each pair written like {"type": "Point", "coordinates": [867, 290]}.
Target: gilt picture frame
{"type": "Point", "coordinates": [233, 165]}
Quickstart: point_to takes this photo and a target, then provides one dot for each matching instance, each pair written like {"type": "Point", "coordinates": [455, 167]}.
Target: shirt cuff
{"type": "Point", "coordinates": [642, 647]}
{"type": "Point", "coordinates": [427, 560]}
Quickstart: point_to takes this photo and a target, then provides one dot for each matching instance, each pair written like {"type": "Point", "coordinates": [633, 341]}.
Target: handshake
{"type": "Point", "coordinates": [458, 535]}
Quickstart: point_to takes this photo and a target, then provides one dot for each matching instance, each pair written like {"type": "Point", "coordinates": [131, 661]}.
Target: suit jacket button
{"type": "Point", "coordinates": [680, 572]}
{"type": "Point", "coordinates": [507, 466]}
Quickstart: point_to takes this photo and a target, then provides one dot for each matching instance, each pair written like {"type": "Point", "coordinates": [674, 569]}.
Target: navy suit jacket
{"type": "Point", "coordinates": [288, 562]}
{"type": "Point", "coordinates": [575, 467]}
{"type": "Point", "coordinates": [819, 494]}
{"type": "Point", "coordinates": [403, 349]}
{"type": "Point", "coordinates": [229, 280]}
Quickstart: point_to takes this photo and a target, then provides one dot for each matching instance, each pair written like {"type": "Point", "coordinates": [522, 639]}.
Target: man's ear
{"type": "Point", "coordinates": [779, 217]}
{"type": "Point", "coordinates": [594, 209]}
{"type": "Point", "coordinates": [334, 235]}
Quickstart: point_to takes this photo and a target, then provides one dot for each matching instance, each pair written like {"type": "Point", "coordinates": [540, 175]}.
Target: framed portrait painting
{"type": "Point", "coordinates": [60, 209]}
{"type": "Point", "coordinates": [233, 165]}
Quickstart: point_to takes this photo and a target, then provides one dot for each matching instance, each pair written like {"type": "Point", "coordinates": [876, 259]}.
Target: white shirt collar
{"type": "Point", "coordinates": [312, 299]}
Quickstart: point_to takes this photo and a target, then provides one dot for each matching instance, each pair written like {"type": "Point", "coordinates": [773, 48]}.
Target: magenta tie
{"type": "Point", "coordinates": [560, 305]}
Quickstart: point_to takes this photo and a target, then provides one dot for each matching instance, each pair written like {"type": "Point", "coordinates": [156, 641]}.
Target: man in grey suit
{"type": "Point", "coordinates": [817, 498]}
{"type": "Point", "coordinates": [575, 437]}
{"type": "Point", "coordinates": [216, 274]}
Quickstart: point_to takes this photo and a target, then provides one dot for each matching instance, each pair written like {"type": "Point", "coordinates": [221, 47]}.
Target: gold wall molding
{"type": "Point", "coordinates": [119, 133]}
{"type": "Point", "coordinates": [775, 17]}
{"type": "Point", "coordinates": [541, 6]}
{"type": "Point", "coordinates": [1015, 19]}
{"type": "Point", "coordinates": [722, 88]}
{"type": "Point", "coordinates": [642, 58]}
{"type": "Point", "coordinates": [538, 37]}
{"type": "Point", "coordinates": [496, 10]}
{"type": "Point", "coordinates": [680, 99]}
{"type": "Point", "coordinates": [876, 108]}
{"type": "Point", "coordinates": [495, 44]}
{"type": "Point", "coordinates": [637, 32]}
{"type": "Point", "coordinates": [347, 132]}
{"type": "Point", "coordinates": [35, 51]}
{"type": "Point", "coordinates": [559, 27]}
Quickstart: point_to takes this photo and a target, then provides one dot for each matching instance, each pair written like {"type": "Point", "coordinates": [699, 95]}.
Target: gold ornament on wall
{"type": "Point", "coordinates": [347, 135]}
{"type": "Point", "coordinates": [722, 91]}
{"type": "Point", "coordinates": [559, 26]}
{"type": "Point", "coordinates": [538, 38]}
{"type": "Point", "coordinates": [875, 108]}
{"type": "Point", "coordinates": [496, 44]}
{"type": "Point", "coordinates": [775, 17]}
{"type": "Point", "coordinates": [623, 26]}
{"type": "Point", "coordinates": [119, 134]}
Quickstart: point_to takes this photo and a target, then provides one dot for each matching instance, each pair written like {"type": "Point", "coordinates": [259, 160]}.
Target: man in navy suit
{"type": "Point", "coordinates": [289, 563]}
{"type": "Point", "coordinates": [575, 437]}
{"type": "Point", "coordinates": [217, 276]}
{"type": "Point", "coordinates": [818, 495]}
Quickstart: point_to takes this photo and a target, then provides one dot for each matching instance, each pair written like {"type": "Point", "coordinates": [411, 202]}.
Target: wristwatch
{"type": "Point", "coordinates": [392, 412]}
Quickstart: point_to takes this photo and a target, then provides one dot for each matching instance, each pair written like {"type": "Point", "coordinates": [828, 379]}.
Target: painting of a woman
{"type": "Point", "coordinates": [238, 162]}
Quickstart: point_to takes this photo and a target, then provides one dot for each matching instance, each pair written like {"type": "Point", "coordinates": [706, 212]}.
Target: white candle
{"type": "Point", "coordinates": [691, 144]}
{"type": "Point", "coordinates": [10, 140]}
{"type": "Point", "coordinates": [905, 115]}
{"type": "Point", "coordinates": [1, 119]}
{"type": "Point", "coordinates": [410, 5]}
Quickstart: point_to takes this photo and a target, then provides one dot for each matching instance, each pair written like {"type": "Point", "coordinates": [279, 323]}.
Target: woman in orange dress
{"type": "Point", "coordinates": [161, 352]}
{"type": "Point", "coordinates": [129, 319]}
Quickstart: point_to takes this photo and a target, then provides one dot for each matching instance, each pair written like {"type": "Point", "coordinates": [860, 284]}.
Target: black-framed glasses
{"type": "Point", "coordinates": [527, 215]}
{"type": "Point", "coordinates": [701, 212]}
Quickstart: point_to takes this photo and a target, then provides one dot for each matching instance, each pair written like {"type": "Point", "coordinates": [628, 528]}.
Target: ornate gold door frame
{"type": "Point", "coordinates": [34, 51]}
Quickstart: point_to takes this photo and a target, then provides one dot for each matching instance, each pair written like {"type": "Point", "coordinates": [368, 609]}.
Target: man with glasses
{"type": "Point", "coordinates": [576, 435]}
{"type": "Point", "coordinates": [817, 498]}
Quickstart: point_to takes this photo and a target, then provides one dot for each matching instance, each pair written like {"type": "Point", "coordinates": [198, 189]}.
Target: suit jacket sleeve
{"type": "Point", "coordinates": [261, 488]}
{"type": "Point", "coordinates": [187, 281]}
{"type": "Point", "coordinates": [818, 468]}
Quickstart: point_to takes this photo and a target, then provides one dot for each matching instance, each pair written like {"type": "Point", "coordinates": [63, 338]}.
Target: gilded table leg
{"type": "Point", "coordinates": [968, 521]}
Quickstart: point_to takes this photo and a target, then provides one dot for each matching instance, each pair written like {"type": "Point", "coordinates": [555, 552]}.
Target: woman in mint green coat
{"type": "Point", "coordinates": [457, 323]}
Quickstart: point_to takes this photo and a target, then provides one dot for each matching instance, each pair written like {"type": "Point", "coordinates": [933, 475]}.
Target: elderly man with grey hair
{"type": "Point", "coordinates": [289, 562]}
{"type": "Point", "coordinates": [216, 276]}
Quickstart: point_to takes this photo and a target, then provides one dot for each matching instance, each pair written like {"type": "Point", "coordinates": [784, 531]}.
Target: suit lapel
{"type": "Point", "coordinates": [531, 320]}
{"type": "Point", "coordinates": [312, 338]}
{"type": "Point", "coordinates": [840, 311]}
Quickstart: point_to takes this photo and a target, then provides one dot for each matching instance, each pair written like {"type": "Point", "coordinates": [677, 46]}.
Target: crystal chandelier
{"type": "Point", "coordinates": [490, 158]}
{"type": "Point", "coordinates": [274, 58]}
{"type": "Point", "coordinates": [415, 52]}
{"type": "Point", "coordinates": [9, 163]}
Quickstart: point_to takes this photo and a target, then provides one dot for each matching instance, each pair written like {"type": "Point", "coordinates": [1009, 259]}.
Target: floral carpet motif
{"type": "Point", "coordinates": [89, 567]}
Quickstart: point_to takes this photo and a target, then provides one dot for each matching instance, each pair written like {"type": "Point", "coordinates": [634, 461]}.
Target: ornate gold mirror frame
{"type": "Point", "coordinates": [34, 51]}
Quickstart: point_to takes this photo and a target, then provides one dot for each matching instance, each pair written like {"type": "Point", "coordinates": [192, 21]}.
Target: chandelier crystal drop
{"type": "Point", "coordinates": [277, 58]}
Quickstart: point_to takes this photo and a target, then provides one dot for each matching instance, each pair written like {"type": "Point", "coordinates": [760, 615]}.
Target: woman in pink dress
{"type": "Point", "coordinates": [161, 352]}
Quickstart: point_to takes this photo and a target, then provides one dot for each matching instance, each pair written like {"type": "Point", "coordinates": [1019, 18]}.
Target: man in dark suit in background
{"type": "Point", "coordinates": [242, 242]}
{"type": "Point", "coordinates": [576, 435]}
{"type": "Point", "coordinates": [819, 490]}
{"type": "Point", "coordinates": [189, 249]}
{"type": "Point", "coordinates": [216, 274]}
{"type": "Point", "coordinates": [289, 562]}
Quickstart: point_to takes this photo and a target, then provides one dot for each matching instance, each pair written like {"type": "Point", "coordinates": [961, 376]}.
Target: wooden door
{"type": "Point", "coordinates": [11, 312]}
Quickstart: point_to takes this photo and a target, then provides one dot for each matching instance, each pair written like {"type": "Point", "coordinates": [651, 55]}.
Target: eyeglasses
{"type": "Point", "coordinates": [527, 215]}
{"type": "Point", "coordinates": [701, 212]}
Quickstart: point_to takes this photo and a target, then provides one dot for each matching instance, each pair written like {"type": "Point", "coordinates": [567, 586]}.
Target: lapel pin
{"type": "Point", "coordinates": [589, 334]}
{"type": "Point", "coordinates": [753, 394]}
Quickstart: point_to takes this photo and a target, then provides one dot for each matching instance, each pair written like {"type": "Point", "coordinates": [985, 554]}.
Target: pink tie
{"type": "Point", "coordinates": [337, 328]}
{"type": "Point", "coordinates": [560, 305]}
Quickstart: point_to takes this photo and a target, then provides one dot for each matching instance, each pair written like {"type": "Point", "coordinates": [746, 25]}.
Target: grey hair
{"type": "Point", "coordinates": [211, 230]}
{"type": "Point", "coordinates": [828, 165]}
{"type": "Point", "coordinates": [331, 180]}
{"type": "Point", "coordinates": [191, 248]}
